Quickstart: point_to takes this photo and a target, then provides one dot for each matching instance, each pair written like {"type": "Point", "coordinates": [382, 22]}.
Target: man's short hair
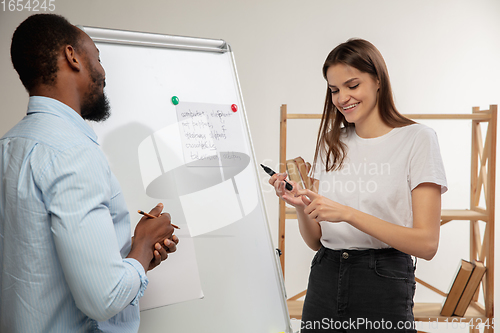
{"type": "Point", "coordinates": [35, 47]}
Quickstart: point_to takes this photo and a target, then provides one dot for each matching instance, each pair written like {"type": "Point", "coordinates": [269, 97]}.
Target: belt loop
{"type": "Point", "coordinates": [321, 251]}
{"type": "Point", "coordinates": [372, 258]}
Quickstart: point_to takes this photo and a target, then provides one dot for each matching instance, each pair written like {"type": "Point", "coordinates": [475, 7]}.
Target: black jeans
{"type": "Point", "coordinates": [360, 291]}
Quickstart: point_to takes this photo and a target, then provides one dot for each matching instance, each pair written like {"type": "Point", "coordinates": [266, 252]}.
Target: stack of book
{"type": "Point", "coordinates": [463, 288]}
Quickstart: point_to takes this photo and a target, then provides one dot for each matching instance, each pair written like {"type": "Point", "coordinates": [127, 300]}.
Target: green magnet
{"type": "Point", "coordinates": [175, 100]}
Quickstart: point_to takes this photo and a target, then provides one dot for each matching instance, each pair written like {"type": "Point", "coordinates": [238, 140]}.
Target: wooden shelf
{"type": "Point", "coordinates": [422, 312]}
{"type": "Point", "coordinates": [462, 214]}
{"type": "Point", "coordinates": [295, 308]}
{"type": "Point", "coordinates": [431, 312]}
{"type": "Point", "coordinates": [477, 116]}
{"type": "Point", "coordinates": [446, 215]}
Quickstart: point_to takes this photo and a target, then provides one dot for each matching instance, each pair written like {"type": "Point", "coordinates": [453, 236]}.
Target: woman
{"type": "Point", "coordinates": [378, 203]}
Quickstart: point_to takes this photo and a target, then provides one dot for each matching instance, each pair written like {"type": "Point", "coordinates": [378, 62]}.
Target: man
{"type": "Point", "coordinates": [66, 259]}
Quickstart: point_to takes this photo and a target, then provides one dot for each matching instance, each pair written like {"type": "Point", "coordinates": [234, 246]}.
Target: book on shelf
{"type": "Point", "coordinates": [470, 289]}
{"type": "Point", "coordinates": [457, 288]}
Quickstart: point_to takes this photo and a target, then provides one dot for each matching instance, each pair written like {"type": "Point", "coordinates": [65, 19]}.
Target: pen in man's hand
{"type": "Point", "coordinates": [153, 217]}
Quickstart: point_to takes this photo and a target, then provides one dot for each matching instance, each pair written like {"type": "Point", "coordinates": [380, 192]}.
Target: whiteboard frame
{"type": "Point", "coordinates": [102, 35]}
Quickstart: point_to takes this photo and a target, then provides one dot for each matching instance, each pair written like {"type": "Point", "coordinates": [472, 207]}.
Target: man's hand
{"type": "Point", "coordinates": [149, 232]}
{"type": "Point", "coordinates": [161, 252]}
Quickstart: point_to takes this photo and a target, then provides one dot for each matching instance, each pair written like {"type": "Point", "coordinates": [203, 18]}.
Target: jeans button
{"type": "Point", "coordinates": [345, 255]}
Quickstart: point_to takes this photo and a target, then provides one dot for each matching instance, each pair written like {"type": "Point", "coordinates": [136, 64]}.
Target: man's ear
{"type": "Point", "coordinates": [71, 58]}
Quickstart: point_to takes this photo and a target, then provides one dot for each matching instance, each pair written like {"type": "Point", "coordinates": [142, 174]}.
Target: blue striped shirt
{"type": "Point", "coordinates": [64, 230]}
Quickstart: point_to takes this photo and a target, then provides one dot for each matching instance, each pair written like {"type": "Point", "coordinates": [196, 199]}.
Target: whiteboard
{"type": "Point", "coordinates": [225, 266]}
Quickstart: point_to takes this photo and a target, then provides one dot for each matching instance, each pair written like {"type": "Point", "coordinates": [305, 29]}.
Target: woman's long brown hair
{"type": "Point", "coordinates": [365, 57]}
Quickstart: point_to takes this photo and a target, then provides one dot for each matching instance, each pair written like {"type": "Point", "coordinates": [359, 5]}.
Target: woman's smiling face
{"type": "Point", "coordinates": [354, 93]}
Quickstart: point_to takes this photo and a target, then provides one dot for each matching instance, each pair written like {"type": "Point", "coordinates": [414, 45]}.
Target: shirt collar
{"type": "Point", "coordinates": [41, 104]}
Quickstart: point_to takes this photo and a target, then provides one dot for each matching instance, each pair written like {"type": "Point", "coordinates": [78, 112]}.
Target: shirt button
{"type": "Point", "coordinates": [345, 255]}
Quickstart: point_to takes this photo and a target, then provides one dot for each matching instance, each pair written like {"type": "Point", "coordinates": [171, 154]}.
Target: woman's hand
{"type": "Point", "coordinates": [310, 230]}
{"type": "Point", "coordinates": [290, 197]}
{"type": "Point", "coordinates": [323, 209]}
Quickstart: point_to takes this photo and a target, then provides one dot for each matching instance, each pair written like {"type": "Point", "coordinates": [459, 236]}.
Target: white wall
{"type": "Point", "coordinates": [442, 57]}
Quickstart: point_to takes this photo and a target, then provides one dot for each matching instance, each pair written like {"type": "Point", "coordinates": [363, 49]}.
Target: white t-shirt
{"type": "Point", "coordinates": [377, 178]}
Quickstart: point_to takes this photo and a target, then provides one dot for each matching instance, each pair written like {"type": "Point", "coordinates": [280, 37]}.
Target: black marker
{"type": "Point", "coordinates": [270, 172]}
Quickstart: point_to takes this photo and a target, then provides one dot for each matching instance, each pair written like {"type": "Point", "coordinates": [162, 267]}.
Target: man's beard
{"type": "Point", "coordinates": [96, 109]}
{"type": "Point", "coordinates": [95, 106]}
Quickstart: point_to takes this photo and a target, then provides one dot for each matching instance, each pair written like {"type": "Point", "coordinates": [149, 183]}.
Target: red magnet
{"type": "Point", "coordinates": [234, 107]}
